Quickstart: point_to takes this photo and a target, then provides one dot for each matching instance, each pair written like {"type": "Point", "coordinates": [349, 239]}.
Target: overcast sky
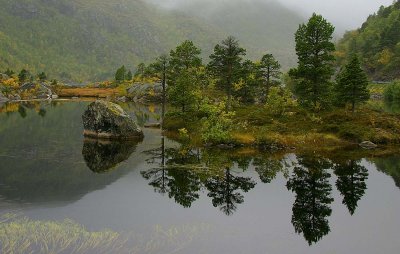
{"type": "Point", "coordinates": [346, 14]}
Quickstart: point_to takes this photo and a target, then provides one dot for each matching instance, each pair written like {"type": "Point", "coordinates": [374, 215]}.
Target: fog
{"type": "Point", "coordinates": [344, 14]}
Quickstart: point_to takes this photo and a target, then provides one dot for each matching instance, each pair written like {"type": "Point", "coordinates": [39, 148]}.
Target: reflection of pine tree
{"type": "Point", "coordinates": [184, 186]}
{"type": "Point", "coordinates": [173, 174]}
{"type": "Point", "coordinates": [223, 191]}
{"type": "Point", "coordinates": [267, 168]}
{"type": "Point", "coordinates": [310, 182]}
{"type": "Point", "coordinates": [351, 183]}
{"type": "Point", "coordinates": [158, 176]}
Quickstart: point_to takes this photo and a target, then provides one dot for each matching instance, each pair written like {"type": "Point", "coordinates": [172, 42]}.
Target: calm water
{"type": "Point", "coordinates": [210, 201]}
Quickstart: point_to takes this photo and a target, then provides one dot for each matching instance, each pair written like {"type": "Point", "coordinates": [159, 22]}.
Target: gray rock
{"type": "Point", "coordinates": [3, 98]}
{"type": "Point", "coordinates": [41, 90]}
{"type": "Point", "coordinates": [147, 92]}
{"type": "Point", "coordinates": [4, 76]}
{"type": "Point", "coordinates": [152, 125]}
{"type": "Point", "coordinates": [107, 120]}
{"type": "Point", "coordinates": [15, 97]}
{"type": "Point", "coordinates": [121, 99]}
{"type": "Point", "coordinates": [368, 145]}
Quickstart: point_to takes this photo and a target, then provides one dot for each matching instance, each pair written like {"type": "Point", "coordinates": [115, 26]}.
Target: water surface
{"type": "Point", "coordinates": [169, 197]}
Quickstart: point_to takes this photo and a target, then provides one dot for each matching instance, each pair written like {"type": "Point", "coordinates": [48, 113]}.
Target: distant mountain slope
{"type": "Point", "coordinates": [89, 39]}
{"type": "Point", "coordinates": [377, 42]}
{"type": "Point", "coordinates": [260, 26]}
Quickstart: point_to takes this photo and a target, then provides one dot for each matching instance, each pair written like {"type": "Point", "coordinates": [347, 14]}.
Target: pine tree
{"type": "Point", "coordinates": [24, 75]}
{"type": "Point", "coordinates": [226, 65]}
{"type": "Point", "coordinates": [183, 58]}
{"type": "Point", "coordinates": [129, 75]}
{"type": "Point", "coordinates": [9, 72]}
{"type": "Point", "coordinates": [270, 71]}
{"type": "Point", "coordinates": [315, 65]}
{"type": "Point", "coordinates": [120, 74]}
{"type": "Point", "coordinates": [351, 84]}
{"type": "Point", "coordinates": [42, 76]}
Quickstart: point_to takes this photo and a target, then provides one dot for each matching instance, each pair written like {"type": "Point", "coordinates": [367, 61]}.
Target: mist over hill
{"type": "Point", "coordinates": [89, 39]}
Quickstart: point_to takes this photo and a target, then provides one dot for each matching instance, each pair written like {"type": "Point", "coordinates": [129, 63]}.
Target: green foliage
{"type": "Point", "coordinates": [279, 101]}
{"type": "Point", "coordinates": [184, 57]}
{"type": "Point", "coordinates": [24, 75]}
{"type": "Point", "coordinates": [315, 66]}
{"type": "Point", "coordinates": [217, 123]}
{"type": "Point", "coordinates": [352, 84]}
{"type": "Point", "coordinates": [87, 40]}
{"type": "Point", "coordinates": [270, 71]}
{"type": "Point", "coordinates": [377, 42]}
{"type": "Point", "coordinates": [226, 65]}
{"type": "Point", "coordinates": [392, 92]}
{"type": "Point", "coordinates": [120, 74]}
{"type": "Point", "coordinates": [129, 75]}
{"type": "Point", "coordinates": [42, 76]}
{"type": "Point", "coordinates": [184, 92]}
{"type": "Point", "coordinates": [9, 72]}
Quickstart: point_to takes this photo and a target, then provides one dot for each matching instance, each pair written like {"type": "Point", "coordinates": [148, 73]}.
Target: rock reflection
{"type": "Point", "coordinates": [102, 156]}
{"type": "Point", "coordinates": [310, 182]}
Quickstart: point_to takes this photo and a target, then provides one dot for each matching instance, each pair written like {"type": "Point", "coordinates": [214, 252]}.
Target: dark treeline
{"type": "Point", "coordinates": [228, 76]}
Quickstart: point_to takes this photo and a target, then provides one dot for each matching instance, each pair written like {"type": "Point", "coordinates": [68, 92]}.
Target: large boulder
{"type": "Point", "coordinates": [368, 145]}
{"type": "Point", "coordinates": [107, 120]}
{"type": "Point", "coordinates": [147, 92]}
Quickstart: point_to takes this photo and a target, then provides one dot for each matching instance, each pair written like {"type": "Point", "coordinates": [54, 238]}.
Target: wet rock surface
{"type": "Point", "coordinates": [107, 120]}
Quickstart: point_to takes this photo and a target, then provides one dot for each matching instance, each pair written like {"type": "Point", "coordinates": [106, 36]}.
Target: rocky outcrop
{"type": "Point", "coordinates": [4, 76]}
{"type": "Point", "coordinates": [102, 156]}
{"type": "Point", "coordinates": [107, 120]}
{"type": "Point", "coordinates": [147, 92]}
{"type": "Point", "coordinates": [39, 91]}
{"type": "Point", "coordinates": [368, 145]}
{"type": "Point", "coordinates": [3, 98]}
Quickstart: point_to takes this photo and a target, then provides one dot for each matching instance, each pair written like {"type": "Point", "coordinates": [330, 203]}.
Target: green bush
{"type": "Point", "coordinates": [392, 92]}
{"type": "Point", "coordinates": [217, 124]}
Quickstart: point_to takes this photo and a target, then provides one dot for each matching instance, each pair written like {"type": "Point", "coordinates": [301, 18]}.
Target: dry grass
{"type": "Point", "coordinates": [88, 92]}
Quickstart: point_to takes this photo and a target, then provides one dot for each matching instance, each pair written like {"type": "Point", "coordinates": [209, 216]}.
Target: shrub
{"type": "Point", "coordinates": [392, 92]}
{"type": "Point", "coordinates": [279, 101]}
{"type": "Point", "coordinates": [217, 124]}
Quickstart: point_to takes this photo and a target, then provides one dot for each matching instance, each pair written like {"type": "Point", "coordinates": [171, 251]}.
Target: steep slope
{"type": "Point", "coordinates": [84, 39]}
{"type": "Point", "coordinates": [377, 42]}
{"type": "Point", "coordinates": [88, 39]}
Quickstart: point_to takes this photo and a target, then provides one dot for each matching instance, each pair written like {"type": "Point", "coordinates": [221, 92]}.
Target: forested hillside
{"type": "Point", "coordinates": [89, 39]}
{"type": "Point", "coordinates": [260, 26]}
{"type": "Point", "coordinates": [377, 42]}
{"type": "Point", "coordinates": [86, 39]}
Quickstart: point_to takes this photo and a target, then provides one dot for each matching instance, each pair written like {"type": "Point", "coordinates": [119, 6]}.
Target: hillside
{"type": "Point", "coordinates": [85, 39]}
{"type": "Point", "coordinates": [377, 42]}
{"type": "Point", "coordinates": [259, 25]}
{"type": "Point", "coordinates": [88, 39]}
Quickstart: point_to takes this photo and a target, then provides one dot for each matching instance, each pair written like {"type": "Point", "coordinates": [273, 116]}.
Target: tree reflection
{"type": "Point", "coordinates": [310, 182]}
{"type": "Point", "coordinates": [351, 182]}
{"type": "Point", "coordinates": [224, 191]}
{"type": "Point", "coordinates": [268, 167]}
{"type": "Point", "coordinates": [173, 174]}
{"type": "Point", "coordinates": [182, 172]}
{"type": "Point", "coordinates": [158, 176]}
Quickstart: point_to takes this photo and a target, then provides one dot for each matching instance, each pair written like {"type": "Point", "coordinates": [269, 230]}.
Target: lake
{"type": "Point", "coordinates": [160, 196]}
